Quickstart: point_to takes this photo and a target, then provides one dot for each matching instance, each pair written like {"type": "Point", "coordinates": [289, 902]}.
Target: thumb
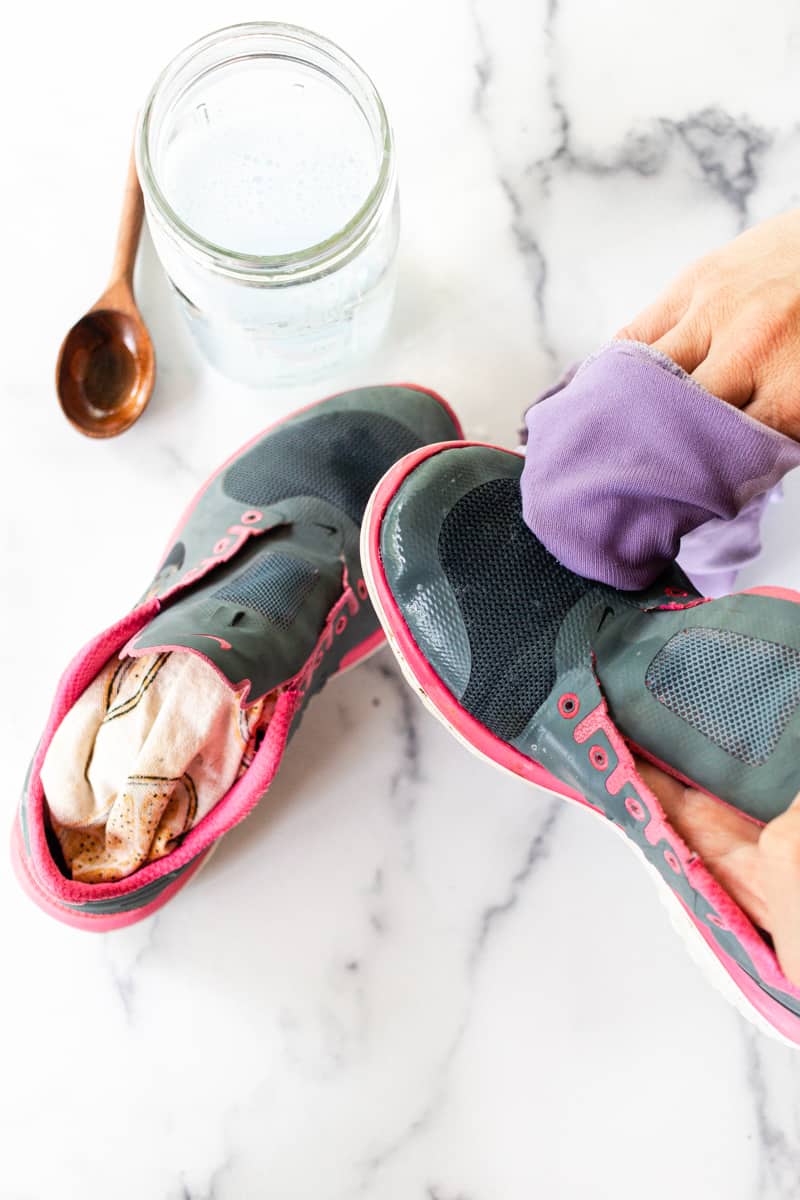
{"type": "Point", "coordinates": [779, 868]}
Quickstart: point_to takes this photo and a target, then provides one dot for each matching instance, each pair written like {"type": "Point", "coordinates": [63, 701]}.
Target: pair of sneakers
{"type": "Point", "coordinates": [364, 515]}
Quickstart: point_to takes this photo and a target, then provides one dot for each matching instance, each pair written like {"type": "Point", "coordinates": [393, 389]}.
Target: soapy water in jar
{"type": "Point", "coordinates": [273, 160]}
{"type": "Point", "coordinates": [275, 167]}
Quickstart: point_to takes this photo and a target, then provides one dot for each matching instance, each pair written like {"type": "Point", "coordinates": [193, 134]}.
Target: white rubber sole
{"type": "Point", "coordinates": [695, 944]}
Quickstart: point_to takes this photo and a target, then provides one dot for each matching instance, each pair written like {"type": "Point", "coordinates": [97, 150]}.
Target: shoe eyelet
{"type": "Point", "coordinates": [713, 919]}
{"type": "Point", "coordinates": [569, 705]}
{"type": "Point", "coordinates": [341, 624]}
{"type": "Point", "coordinates": [361, 588]}
{"type": "Point", "coordinates": [251, 516]}
{"type": "Point", "coordinates": [598, 758]}
{"type": "Point", "coordinates": [671, 859]}
{"type": "Point", "coordinates": [222, 545]}
{"type": "Point", "coordinates": [635, 808]}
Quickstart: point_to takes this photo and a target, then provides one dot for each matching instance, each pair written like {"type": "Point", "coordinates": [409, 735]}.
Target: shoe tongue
{"type": "Point", "coordinates": [712, 693]}
{"type": "Point", "coordinates": [257, 624]}
{"type": "Point", "coordinates": [195, 630]}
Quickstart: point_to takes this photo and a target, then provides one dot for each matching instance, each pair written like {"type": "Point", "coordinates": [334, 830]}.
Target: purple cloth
{"type": "Point", "coordinates": [714, 554]}
{"type": "Point", "coordinates": [628, 455]}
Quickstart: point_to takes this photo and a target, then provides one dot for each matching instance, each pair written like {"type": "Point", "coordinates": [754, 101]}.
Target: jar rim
{"type": "Point", "coordinates": [323, 256]}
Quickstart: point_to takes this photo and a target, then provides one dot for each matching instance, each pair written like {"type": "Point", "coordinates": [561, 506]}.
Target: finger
{"type": "Point", "coordinates": [659, 317]}
{"type": "Point", "coordinates": [726, 840]}
{"type": "Point", "coordinates": [687, 344]}
{"type": "Point", "coordinates": [724, 372]}
{"type": "Point", "coordinates": [710, 828]}
{"type": "Point", "coordinates": [779, 848]}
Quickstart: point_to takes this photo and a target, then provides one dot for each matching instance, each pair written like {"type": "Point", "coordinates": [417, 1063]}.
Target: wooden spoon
{"type": "Point", "coordinates": [106, 366]}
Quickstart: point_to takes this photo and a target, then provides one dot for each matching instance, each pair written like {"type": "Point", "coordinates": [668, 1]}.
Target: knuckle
{"type": "Point", "coordinates": [721, 295]}
{"type": "Point", "coordinates": [772, 319]}
{"type": "Point", "coordinates": [695, 333]}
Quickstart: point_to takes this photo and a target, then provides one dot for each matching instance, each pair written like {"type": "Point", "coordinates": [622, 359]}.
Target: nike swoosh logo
{"type": "Point", "coordinates": [606, 612]}
{"type": "Point", "coordinates": [225, 645]}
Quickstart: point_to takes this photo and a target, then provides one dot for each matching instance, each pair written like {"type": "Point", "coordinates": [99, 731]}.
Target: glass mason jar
{"type": "Point", "coordinates": [267, 164]}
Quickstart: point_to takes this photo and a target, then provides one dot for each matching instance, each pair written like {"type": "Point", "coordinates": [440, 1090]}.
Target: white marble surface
{"type": "Point", "coordinates": [406, 977]}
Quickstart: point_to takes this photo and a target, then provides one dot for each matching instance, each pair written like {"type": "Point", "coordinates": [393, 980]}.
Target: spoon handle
{"type": "Point", "coordinates": [130, 227]}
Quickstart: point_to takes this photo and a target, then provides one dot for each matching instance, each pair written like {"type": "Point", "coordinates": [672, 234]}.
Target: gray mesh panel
{"type": "Point", "coordinates": [737, 691]}
{"type": "Point", "coordinates": [513, 597]}
{"type": "Point", "coordinates": [338, 457]}
{"type": "Point", "coordinates": [274, 586]}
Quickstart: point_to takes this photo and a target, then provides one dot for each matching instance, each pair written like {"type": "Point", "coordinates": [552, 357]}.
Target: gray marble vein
{"type": "Point", "coordinates": [488, 921]}
{"type": "Point", "coordinates": [538, 850]}
{"type": "Point", "coordinates": [406, 977]}
{"type": "Point", "coordinates": [408, 773]}
{"type": "Point", "coordinates": [123, 957]}
{"type": "Point", "coordinates": [778, 1162]}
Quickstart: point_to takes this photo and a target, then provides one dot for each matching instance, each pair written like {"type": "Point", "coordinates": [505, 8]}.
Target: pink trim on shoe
{"type": "Point", "coordinates": [775, 593]}
{"type": "Point", "coordinates": [658, 828]}
{"type": "Point", "coordinates": [233, 807]}
{"type": "Point", "coordinates": [39, 872]}
{"type": "Point", "coordinates": [42, 873]}
{"type": "Point", "coordinates": [97, 922]}
{"type": "Point", "coordinates": [771, 1010]}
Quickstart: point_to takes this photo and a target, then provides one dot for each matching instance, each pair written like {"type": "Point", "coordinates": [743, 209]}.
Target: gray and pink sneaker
{"type": "Point", "coordinates": [556, 679]}
{"type": "Point", "coordinates": [262, 578]}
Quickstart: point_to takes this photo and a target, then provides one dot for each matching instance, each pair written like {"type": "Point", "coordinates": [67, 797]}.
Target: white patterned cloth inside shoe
{"type": "Point", "coordinates": [148, 749]}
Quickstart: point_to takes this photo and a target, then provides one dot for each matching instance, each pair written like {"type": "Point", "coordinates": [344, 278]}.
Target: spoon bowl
{"type": "Point", "coordinates": [105, 372]}
{"type": "Point", "coordinates": [106, 366]}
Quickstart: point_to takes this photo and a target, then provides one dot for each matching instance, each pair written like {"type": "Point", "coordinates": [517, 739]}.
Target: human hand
{"type": "Point", "coordinates": [732, 321]}
{"type": "Point", "coordinates": [758, 866]}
